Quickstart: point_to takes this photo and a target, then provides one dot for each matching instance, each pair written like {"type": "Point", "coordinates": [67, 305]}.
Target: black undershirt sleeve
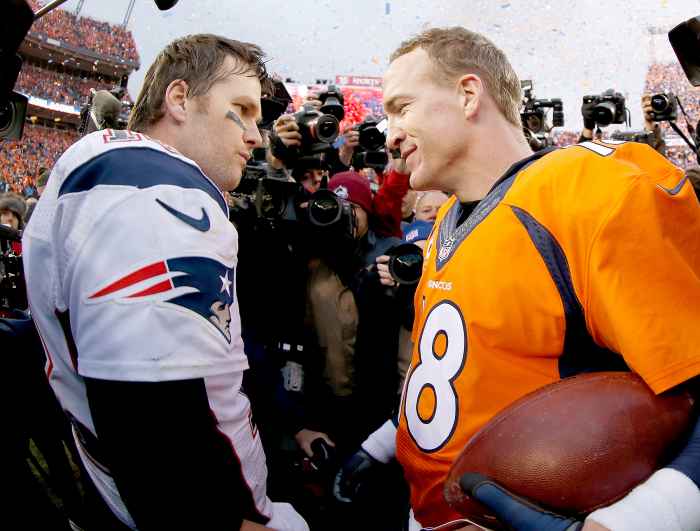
{"type": "Point", "coordinates": [173, 468]}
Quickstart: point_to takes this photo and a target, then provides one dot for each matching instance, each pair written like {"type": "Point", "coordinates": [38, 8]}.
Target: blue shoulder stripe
{"type": "Point", "coordinates": [140, 167]}
{"type": "Point", "coordinates": [580, 352]}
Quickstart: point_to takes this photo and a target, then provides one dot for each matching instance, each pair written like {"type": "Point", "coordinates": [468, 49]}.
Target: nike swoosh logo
{"type": "Point", "coordinates": [202, 224]}
{"type": "Point", "coordinates": [675, 189]}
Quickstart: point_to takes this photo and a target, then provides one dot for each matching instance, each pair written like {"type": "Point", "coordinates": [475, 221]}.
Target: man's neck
{"type": "Point", "coordinates": [488, 159]}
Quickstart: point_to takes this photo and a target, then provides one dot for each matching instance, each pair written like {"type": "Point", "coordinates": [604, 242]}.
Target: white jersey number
{"type": "Point", "coordinates": [431, 405]}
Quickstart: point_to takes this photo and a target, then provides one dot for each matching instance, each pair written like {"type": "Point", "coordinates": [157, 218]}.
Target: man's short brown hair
{"type": "Point", "coordinates": [457, 51]}
{"type": "Point", "coordinates": [197, 60]}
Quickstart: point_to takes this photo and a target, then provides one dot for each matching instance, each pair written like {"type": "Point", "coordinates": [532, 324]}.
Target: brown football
{"type": "Point", "coordinates": [575, 445]}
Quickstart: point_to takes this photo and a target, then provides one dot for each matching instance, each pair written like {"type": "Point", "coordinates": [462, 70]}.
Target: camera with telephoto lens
{"type": "Point", "coordinates": [318, 130]}
{"type": "Point", "coordinates": [609, 108]}
{"type": "Point", "coordinates": [405, 263]}
{"type": "Point", "coordinates": [664, 107]}
{"type": "Point", "coordinates": [534, 113]}
{"type": "Point", "coordinates": [370, 152]}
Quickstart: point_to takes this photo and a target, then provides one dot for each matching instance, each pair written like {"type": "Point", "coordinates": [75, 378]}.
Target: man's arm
{"type": "Point", "coordinates": [387, 201]}
{"type": "Point", "coordinates": [172, 466]}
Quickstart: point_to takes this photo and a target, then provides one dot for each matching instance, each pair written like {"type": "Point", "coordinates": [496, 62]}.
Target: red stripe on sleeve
{"type": "Point", "coordinates": [158, 288]}
{"type": "Point", "coordinates": [132, 278]}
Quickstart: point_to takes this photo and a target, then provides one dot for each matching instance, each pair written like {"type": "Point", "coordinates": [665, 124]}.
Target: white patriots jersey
{"type": "Point", "coordinates": [130, 261]}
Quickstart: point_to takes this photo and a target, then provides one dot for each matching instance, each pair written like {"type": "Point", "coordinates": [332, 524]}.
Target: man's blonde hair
{"type": "Point", "coordinates": [198, 60]}
{"type": "Point", "coordinates": [457, 51]}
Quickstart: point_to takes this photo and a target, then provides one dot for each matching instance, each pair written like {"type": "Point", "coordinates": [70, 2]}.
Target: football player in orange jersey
{"type": "Point", "coordinates": [540, 266]}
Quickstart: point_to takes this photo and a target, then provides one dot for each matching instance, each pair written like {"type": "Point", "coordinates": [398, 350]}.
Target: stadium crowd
{"type": "Point", "coordinates": [670, 78]}
{"type": "Point", "coordinates": [21, 161]}
{"type": "Point", "coordinates": [56, 86]}
{"type": "Point", "coordinates": [84, 32]}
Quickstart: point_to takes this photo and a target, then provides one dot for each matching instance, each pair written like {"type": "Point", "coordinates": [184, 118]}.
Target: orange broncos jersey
{"type": "Point", "coordinates": [575, 255]}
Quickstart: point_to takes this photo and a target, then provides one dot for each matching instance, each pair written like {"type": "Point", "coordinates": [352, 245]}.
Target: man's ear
{"type": "Point", "coordinates": [175, 100]}
{"type": "Point", "coordinates": [471, 90]}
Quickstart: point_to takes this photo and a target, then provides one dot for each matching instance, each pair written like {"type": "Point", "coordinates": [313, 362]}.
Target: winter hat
{"type": "Point", "coordinates": [351, 186]}
{"type": "Point", "coordinates": [15, 204]}
{"type": "Point", "coordinates": [417, 231]}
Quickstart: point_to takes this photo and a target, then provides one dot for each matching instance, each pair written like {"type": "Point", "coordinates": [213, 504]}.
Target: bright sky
{"type": "Point", "coordinates": [567, 47]}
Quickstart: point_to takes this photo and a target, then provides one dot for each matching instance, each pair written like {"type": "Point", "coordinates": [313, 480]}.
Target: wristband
{"type": "Point", "coordinates": [381, 445]}
{"type": "Point", "coordinates": [667, 501]}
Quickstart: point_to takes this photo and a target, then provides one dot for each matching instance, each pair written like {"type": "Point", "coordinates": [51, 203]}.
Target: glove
{"type": "Point", "coordinates": [588, 115]}
{"type": "Point", "coordinates": [349, 478]}
{"type": "Point", "coordinates": [516, 513]}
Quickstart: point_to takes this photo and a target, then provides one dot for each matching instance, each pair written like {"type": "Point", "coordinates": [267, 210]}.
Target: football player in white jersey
{"type": "Point", "coordinates": [130, 261]}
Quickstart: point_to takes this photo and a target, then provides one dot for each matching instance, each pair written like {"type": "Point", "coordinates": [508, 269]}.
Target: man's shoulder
{"type": "Point", "coordinates": [614, 164]}
{"type": "Point", "coordinates": [590, 177]}
{"type": "Point", "coordinates": [128, 159]}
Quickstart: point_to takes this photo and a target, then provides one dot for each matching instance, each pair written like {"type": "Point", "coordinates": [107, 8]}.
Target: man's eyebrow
{"type": "Point", "coordinates": [391, 105]}
{"type": "Point", "coordinates": [254, 105]}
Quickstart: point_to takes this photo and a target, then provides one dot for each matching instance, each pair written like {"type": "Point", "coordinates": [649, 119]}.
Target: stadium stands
{"type": "Point", "coordinates": [40, 147]}
{"type": "Point", "coordinates": [55, 86]}
{"type": "Point", "coordinates": [83, 32]}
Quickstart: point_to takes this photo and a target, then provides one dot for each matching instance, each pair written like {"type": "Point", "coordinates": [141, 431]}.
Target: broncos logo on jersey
{"type": "Point", "coordinates": [201, 285]}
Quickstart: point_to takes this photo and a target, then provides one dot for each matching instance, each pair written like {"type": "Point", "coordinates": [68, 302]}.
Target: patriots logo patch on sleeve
{"type": "Point", "coordinates": [118, 135]}
{"type": "Point", "coordinates": [201, 285]}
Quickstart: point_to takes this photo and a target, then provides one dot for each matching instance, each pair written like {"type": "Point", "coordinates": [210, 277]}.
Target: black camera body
{"type": "Point", "coordinates": [13, 105]}
{"type": "Point", "coordinates": [318, 130]}
{"type": "Point", "coordinates": [609, 107]}
{"type": "Point", "coordinates": [269, 198]}
{"type": "Point", "coordinates": [13, 111]}
{"type": "Point", "coordinates": [371, 152]}
{"type": "Point", "coordinates": [332, 102]}
{"type": "Point", "coordinates": [534, 113]}
{"type": "Point", "coordinates": [664, 107]}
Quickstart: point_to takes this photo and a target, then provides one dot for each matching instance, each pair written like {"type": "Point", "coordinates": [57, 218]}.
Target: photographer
{"type": "Point", "coordinates": [357, 321]}
{"type": "Point", "coordinates": [386, 203]}
{"type": "Point", "coordinates": [13, 208]}
{"type": "Point", "coordinates": [652, 126]}
{"type": "Point", "coordinates": [591, 127]}
{"type": "Point", "coordinates": [130, 264]}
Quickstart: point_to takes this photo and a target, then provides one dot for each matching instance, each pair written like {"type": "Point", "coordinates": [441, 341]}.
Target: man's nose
{"type": "Point", "coordinates": [253, 138]}
{"type": "Point", "coordinates": [394, 137]}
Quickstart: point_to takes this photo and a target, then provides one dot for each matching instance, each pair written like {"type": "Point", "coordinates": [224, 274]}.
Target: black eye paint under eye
{"type": "Point", "coordinates": [236, 119]}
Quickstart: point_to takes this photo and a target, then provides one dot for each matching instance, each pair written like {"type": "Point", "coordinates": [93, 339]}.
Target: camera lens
{"type": "Point", "coordinates": [7, 115]}
{"type": "Point", "coordinates": [659, 102]}
{"type": "Point", "coordinates": [535, 123]}
{"type": "Point", "coordinates": [406, 263]}
{"type": "Point", "coordinates": [325, 128]}
{"type": "Point", "coordinates": [324, 208]}
{"type": "Point", "coordinates": [372, 139]}
{"type": "Point", "coordinates": [604, 113]}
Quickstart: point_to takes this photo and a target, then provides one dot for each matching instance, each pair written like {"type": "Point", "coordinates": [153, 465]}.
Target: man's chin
{"type": "Point", "coordinates": [232, 181]}
{"type": "Point", "coordinates": [420, 180]}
